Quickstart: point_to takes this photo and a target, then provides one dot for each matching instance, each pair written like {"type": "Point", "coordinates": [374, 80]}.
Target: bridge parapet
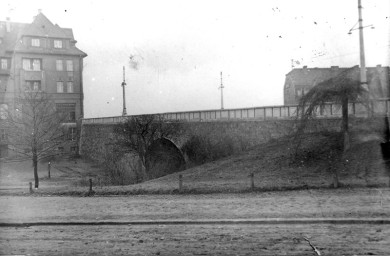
{"type": "Point", "coordinates": [331, 110]}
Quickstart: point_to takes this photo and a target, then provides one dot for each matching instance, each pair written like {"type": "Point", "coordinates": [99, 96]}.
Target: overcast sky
{"type": "Point", "coordinates": [182, 46]}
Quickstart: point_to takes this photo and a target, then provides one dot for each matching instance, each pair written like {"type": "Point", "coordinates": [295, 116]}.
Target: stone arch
{"type": "Point", "coordinates": [164, 158]}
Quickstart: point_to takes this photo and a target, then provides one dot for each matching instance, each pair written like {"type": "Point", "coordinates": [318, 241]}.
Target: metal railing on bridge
{"type": "Point", "coordinates": [330, 110]}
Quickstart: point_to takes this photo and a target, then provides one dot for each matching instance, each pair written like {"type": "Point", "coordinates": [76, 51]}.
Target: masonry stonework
{"type": "Point", "coordinates": [97, 140]}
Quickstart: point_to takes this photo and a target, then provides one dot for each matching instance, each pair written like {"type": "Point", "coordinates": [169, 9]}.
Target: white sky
{"type": "Point", "coordinates": [182, 46]}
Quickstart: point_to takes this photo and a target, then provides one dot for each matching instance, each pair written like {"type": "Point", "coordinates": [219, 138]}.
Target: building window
{"type": "Point", "coordinates": [299, 92]}
{"type": "Point", "coordinates": [33, 86]}
{"type": "Point", "coordinates": [69, 65]}
{"type": "Point", "coordinates": [60, 87]}
{"type": "Point", "coordinates": [59, 65]}
{"type": "Point", "coordinates": [4, 64]}
{"type": "Point", "coordinates": [58, 44]}
{"type": "Point", "coordinates": [26, 64]}
{"type": "Point", "coordinates": [69, 87]}
{"type": "Point", "coordinates": [35, 42]}
{"type": "Point", "coordinates": [68, 109]}
{"type": "Point", "coordinates": [32, 64]}
{"type": "Point", "coordinates": [72, 133]}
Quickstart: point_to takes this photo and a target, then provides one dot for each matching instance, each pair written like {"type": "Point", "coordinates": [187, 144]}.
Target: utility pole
{"type": "Point", "coordinates": [363, 75]}
{"type": "Point", "coordinates": [124, 113]}
{"type": "Point", "coordinates": [221, 87]}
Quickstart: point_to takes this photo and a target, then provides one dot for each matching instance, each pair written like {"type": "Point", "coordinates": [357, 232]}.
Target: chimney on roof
{"type": "Point", "coordinates": [334, 67]}
{"type": "Point", "coordinates": [304, 67]}
{"type": "Point", "coordinates": [379, 66]}
{"type": "Point", "coordinates": [39, 11]}
{"type": "Point", "coordinates": [8, 24]}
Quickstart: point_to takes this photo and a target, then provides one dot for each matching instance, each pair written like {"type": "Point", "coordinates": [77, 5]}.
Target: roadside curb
{"type": "Point", "coordinates": [270, 221]}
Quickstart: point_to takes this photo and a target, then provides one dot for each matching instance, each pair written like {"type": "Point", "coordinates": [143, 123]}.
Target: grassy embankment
{"type": "Point", "coordinates": [275, 166]}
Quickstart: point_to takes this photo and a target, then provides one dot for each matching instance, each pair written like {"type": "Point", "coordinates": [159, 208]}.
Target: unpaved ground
{"type": "Point", "coordinates": [341, 203]}
{"type": "Point", "coordinates": [217, 239]}
{"type": "Point", "coordinates": [272, 164]}
{"type": "Point", "coordinates": [197, 240]}
{"type": "Point", "coordinates": [66, 173]}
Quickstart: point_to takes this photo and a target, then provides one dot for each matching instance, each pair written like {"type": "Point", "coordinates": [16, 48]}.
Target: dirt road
{"type": "Point", "coordinates": [197, 240]}
{"type": "Point", "coordinates": [201, 239]}
{"type": "Point", "coordinates": [371, 203]}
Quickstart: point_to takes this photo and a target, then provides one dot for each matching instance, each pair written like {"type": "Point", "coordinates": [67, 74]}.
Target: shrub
{"type": "Point", "coordinates": [202, 149]}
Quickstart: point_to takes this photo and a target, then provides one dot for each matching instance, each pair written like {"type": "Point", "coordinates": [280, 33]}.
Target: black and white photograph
{"type": "Point", "coordinates": [195, 127]}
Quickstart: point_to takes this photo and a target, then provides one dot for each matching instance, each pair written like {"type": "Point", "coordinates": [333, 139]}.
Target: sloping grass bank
{"type": "Point", "coordinates": [275, 166]}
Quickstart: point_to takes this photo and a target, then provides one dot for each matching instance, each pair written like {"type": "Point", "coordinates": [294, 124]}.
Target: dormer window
{"type": "Point", "coordinates": [58, 44]}
{"type": "Point", "coordinates": [35, 42]}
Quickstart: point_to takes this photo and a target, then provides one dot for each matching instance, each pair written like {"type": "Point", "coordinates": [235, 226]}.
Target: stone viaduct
{"type": "Point", "coordinates": [237, 129]}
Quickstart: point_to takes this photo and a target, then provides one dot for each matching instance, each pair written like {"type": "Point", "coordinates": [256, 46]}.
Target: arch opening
{"type": "Point", "coordinates": [164, 158]}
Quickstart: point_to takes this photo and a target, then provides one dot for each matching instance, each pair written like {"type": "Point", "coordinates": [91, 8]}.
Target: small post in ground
{"type": "Point", "coordinates": [31, 190]}
{"type": "Point", "coordinates": [252, 175]}
{"type": "Point", "coordinates": [335, 180]}
{"type": "Point", "coordinates": [90, 186]}
{"type": "Point", "coordinates": [180, 182]}
{"type": "Point", "coordinates": [48, 169]}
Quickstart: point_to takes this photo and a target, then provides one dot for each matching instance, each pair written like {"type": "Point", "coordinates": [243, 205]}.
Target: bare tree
{"type": "Point", "coordinates": [137, 134]}
{"type": "Point", "coordinates": [340, 89]}
{"type": "Point", "coordinates": [35, 128]}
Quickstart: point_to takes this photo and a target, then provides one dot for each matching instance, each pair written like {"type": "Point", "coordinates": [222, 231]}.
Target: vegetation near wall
{"type": "Point", "coordinates": [200, 142]}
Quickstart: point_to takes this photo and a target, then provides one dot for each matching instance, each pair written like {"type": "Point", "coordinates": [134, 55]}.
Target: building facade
{"type": "Point", "coordinates": [41, 56]}
{"type": "Point", "coordinates": [300, 80]}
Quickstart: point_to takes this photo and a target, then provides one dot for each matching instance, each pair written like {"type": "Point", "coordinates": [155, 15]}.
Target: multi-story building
{"type": "Point", "coordinates": [300, 80]}
{"type": "Point", "coordinates": [41, 56]}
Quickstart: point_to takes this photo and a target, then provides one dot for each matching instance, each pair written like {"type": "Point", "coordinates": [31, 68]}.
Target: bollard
{"type": "Point", "coordinates": [48, 169]}
{"type": "Point", "coordinates": [180, 183]}
{"type": "Point", "coordinates": [252, 175]}
{"type": "Point", "coordinates": [335, 181]}
{"type": "Point", "coordinates": [31, 190]}
{"type": "Point", "coordinates": [90, 185]}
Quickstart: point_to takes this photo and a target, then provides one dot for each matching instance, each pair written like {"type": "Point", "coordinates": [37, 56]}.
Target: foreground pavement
{"type": "Point", "coordinates": [330, 222]}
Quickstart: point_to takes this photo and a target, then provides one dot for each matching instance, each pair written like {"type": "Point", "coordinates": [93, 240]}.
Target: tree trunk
{"type": "Point", "coordinates": [140, 170]}
{"type": "Point", "coordinates": [35, 164]}
{"type": "Point", "coordinates": [344, 128]}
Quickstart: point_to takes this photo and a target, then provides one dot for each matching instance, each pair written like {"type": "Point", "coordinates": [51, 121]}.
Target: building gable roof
{"type": "Point", "coordinates": [42, 26]}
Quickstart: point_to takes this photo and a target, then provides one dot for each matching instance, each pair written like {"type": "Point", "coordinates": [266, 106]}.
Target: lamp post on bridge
{"type": "Point", "coordinates": [124, 113]}
{"type": "Point", "coordinates": [221, 87]}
